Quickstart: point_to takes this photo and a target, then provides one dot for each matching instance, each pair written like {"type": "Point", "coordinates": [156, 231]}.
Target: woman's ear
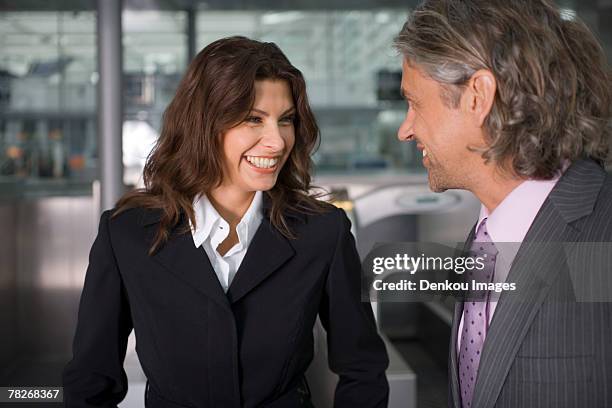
{"type": "Point", "coordinates": [479, 95]}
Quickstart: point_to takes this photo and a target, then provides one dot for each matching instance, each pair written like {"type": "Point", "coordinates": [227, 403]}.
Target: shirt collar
{"type": "Point", "coordinates": [207, 218]}
{"type": "Point", "coordinates": [250, 221]}
{"type": "Point", "coordinates": [511, 219]}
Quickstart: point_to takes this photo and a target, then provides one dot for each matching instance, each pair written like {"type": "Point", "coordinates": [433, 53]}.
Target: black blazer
{"type": "Point", "coordinates": [200, 347]}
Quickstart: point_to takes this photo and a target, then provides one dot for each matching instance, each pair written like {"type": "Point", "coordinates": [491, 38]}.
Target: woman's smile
{"type": "Point", "coordinates": [263, 164]}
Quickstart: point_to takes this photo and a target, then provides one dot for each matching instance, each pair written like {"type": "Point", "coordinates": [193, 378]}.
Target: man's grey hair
{"type": "Point", "coordinates": [553, 99]}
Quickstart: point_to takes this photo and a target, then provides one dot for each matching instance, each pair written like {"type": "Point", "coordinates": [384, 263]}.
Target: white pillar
{"type": "Point", "coordinates": [110, 109]}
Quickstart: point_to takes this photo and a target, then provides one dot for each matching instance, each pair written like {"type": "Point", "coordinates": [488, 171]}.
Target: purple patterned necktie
{"type": "Point", "coordinates": [475, 316]}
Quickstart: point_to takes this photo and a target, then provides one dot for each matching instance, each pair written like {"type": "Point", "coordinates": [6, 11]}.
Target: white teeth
{"type": "Point", "coordinates": [262, 162]}
{"type": "Point", "coordinates": [424, 152]}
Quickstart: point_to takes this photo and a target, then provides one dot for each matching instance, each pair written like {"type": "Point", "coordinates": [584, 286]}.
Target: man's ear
{"type": "Point", "coordinates": [479, 95]}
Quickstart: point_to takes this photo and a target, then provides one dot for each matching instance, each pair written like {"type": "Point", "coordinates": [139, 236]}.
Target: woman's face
{"type": "Point", "coordinates": [256, 149]}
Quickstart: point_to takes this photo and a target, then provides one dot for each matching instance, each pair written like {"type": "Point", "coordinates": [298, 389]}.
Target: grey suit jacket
{"type": "Point", "coordinates": [546, 347]}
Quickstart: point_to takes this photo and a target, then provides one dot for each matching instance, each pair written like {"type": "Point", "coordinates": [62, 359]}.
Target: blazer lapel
{"type": "Point", "coordinates": [268, 251]}
{"type": "Point", "coordinates": [536, 265]}
{"type": "Point", "coordinates": [180, 257]}
{"type": "Point", "coordinates": [533, 269]}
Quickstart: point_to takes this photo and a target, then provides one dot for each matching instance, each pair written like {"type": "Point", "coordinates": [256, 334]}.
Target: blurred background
{"type": "Point", "coordinates": [83, 85]}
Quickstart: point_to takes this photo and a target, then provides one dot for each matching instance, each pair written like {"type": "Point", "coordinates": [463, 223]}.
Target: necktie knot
{"type": "Point", "coordinates": [484, 248]}
{"type": "Point", "coordinates": [483, 244]}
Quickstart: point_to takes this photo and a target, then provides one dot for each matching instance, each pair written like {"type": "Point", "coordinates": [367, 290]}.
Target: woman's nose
{"type": "Point", "coordinates": [273, 138]}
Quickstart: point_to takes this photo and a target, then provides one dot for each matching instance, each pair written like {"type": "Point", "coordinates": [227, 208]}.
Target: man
{"type": "Point", "coordinates": [512, 102]}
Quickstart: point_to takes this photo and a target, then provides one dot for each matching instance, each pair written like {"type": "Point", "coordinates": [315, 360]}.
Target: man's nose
{"type": "Point", "coordinates": [405, 132]}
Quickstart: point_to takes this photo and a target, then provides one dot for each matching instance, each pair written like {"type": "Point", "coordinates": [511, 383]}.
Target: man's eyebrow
{"type": "Point", "coordinates": [290, 110]}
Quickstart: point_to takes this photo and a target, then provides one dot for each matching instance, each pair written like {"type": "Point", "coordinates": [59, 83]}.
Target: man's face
{"type": "Point", "coordinates": [441, 132]}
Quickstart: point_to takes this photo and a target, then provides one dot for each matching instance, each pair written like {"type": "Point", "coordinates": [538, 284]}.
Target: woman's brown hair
{"type": "Point", "coordinates": [216, 94]}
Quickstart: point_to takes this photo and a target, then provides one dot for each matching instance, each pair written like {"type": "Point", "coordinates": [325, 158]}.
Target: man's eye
{"type": "Point", "coordinates": [253, 119]}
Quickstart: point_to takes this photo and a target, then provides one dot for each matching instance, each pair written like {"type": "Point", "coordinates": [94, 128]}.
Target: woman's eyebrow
{"type": "Point", "coordinates": [290, 110]}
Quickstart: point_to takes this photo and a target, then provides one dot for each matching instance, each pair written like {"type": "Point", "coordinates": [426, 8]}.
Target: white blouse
{"type": "Point", "coordinates": [212, 229]}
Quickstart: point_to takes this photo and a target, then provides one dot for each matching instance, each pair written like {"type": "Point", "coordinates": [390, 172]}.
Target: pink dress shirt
{"type": "Point", "coordinates": [508, 224]}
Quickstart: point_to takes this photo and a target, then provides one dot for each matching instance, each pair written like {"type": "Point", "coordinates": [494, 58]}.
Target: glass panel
{"type": "Point", "coordinates": [47, 101]}
{"type": "Point", "coordinates": [155, 57]}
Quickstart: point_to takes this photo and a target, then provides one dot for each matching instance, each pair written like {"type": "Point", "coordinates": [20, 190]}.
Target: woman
{"type": "Point", "coordinates": [223, 261]}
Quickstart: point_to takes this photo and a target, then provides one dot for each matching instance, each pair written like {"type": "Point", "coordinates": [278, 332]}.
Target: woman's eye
{"type": "Point", "coordinates": [253, 119]}
{"type": "Point", "coordinates": [287, 120]}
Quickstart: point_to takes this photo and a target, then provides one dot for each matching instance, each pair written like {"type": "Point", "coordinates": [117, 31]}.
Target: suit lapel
{"type": "Point", "coordinates": [536, 265]}
{"type": "Point", "coordinates": [268, 251]}
{"type": "Point", "coordinates": [180, 257]}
